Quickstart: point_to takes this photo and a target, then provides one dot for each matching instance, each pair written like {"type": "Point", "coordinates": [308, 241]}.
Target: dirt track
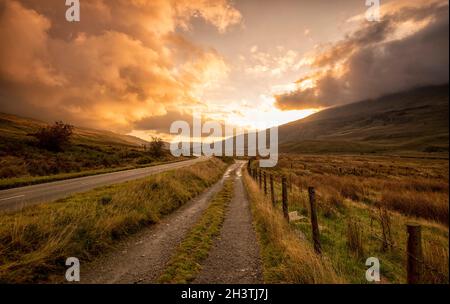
{"type": "Point", "coordinates": [142, 258]}
{"type": "Point", "coordinates": [234, 257]}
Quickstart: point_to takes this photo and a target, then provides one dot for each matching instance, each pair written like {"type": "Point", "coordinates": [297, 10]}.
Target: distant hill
{"type": "Point", "coordinates": [416, 120]}
{"type": "Point", "coordinates": [89, 150]}
{"type": "Point", "coordinates": [15, 126]}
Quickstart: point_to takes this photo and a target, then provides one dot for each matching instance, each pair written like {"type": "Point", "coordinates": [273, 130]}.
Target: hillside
{"type": "Point", "coordinates": [89, 150]}
{"type": "Point", "coordinates": [12, 126]}
{"type": "Point", "coordinates": [416, 120]}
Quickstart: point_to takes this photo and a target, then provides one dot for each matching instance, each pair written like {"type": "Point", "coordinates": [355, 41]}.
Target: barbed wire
{"type": "Point", "coordinates": [393, 245]}
{"type": "Point", "coordinates": [385, 241]}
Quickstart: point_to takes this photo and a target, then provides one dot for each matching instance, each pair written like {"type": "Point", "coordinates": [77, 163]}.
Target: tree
{"type": "Point", "coordinates": [54, 137]}
{"type": "Point", "coordinates": [156, 147]}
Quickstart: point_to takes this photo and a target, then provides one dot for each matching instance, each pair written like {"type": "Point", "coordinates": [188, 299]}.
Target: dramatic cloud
{"type": "Point", "coordinates": [161, 123]}
{"type": "Point", "coordinates": [124, 62]}
{"type": "Point", "coordinates": [266, 65]}
{"type": "Point", "coordinates": [408, 48]}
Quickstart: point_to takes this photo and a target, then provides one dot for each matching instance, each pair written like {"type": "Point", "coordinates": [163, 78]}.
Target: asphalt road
{"type": "Point", "coordinates": [17, 198]}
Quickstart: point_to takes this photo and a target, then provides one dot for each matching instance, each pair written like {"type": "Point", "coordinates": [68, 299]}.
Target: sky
{"type": "Point", "coordinates": [135, 67]}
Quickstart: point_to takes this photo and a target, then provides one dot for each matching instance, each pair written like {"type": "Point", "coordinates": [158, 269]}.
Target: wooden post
{"type": "Point", "coordinates": [272, 191]}
{"type": "Point", "coordinates": [314, 223]}
{"type": "Point", "coordinates": [284, 198]}
{"type": "Point", "coordinates": [265, 183]}
{"type": "Point", "coordinates": [415, 254]}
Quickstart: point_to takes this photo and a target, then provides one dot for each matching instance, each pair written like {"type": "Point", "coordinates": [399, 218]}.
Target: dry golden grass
{"type": "Point", "coordinates": [35, 242]}
{"type": "Point", "coordinates": [287, 258]}
{"type": "Point", "coordinates": [383, 194]}
{"type": "Point", "coordinates": [429, 205]}
{"type": "Point", "coordinates": [436, 261]}
{"type": "Point", "coordinates": [414, 187]}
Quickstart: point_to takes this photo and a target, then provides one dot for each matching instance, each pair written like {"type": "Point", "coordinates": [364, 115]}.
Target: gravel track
{"type": "Point", "coordinates": [234, 257]}
{"type": "Point", "coordinates": [142, 257]}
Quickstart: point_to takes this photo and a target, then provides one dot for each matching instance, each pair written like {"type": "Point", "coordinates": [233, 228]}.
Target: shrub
{"type": "Point", "coordinates": [53, 138]}
{"type": "Point", "coordinates": [156, 148]}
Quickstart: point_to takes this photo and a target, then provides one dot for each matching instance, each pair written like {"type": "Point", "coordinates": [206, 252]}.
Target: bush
{"type": "Point", "coordinates": [53, 138]}
{"type": "Point", "coordinates": [156, 147]}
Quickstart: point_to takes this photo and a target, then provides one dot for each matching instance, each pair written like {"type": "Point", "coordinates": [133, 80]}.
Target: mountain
{"type": "Point", "coordinates": [416, 120]}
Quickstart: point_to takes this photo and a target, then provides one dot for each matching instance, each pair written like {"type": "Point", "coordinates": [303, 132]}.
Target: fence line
{"type": "Point", "coordinates": [412, 260]}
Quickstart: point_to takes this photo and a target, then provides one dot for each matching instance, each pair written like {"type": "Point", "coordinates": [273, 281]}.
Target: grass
{"type": "Point", "coordinates": [186, 262]}
{"type": "Point", "coordinates": [286, 256]}
{"type": "Point", "coordinates": [415, 187]}
{"type": "Point", "coordinates": [35, 242]}
{"type": "Point", "coordinates": [356, 218]}
{"type": "Point", "coordinates": [23, 162]}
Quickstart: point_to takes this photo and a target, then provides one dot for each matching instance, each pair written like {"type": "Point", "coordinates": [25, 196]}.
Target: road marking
{"type": "Point", "coordinates": [10, 198]}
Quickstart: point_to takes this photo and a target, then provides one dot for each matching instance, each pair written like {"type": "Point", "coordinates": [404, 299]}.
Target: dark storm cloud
{"type": "Point", "coordinates": [373, 62]}
{"type": "Point", "coordinates": [162, 123]}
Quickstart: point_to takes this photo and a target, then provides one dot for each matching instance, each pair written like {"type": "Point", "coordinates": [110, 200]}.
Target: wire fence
{"type": "Point", "coordinates": [413, 261]}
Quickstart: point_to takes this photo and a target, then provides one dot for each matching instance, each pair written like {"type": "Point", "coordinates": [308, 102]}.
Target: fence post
{"type": "Point", "coordinates": [265, 183]}
{"type": "Point", "coordinates": [415, 254]}
{"type": "Point", "coordinates": [272, 191]}
{"type": "Point", "coordinates": [314, 223]}
{"type": "Point", "coordinates": [284, 198]}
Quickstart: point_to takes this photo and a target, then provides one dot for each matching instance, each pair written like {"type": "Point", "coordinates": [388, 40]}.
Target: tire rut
{"type": "Point", "coordinates": [142, 257]}
{"type": "Point", "coordinates": [234, 257]}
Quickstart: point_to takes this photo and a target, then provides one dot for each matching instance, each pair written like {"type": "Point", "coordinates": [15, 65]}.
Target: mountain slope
{"type": "Point", "coordinates": [19, 127]}
{"type": "Point", "coordinates": [416, 120]}
{"type": "Point", "coordinates": [89, 150]}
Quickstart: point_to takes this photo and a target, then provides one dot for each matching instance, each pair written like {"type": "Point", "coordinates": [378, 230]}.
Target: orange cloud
{"type": "Point", "coordinates": [122, 63]}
